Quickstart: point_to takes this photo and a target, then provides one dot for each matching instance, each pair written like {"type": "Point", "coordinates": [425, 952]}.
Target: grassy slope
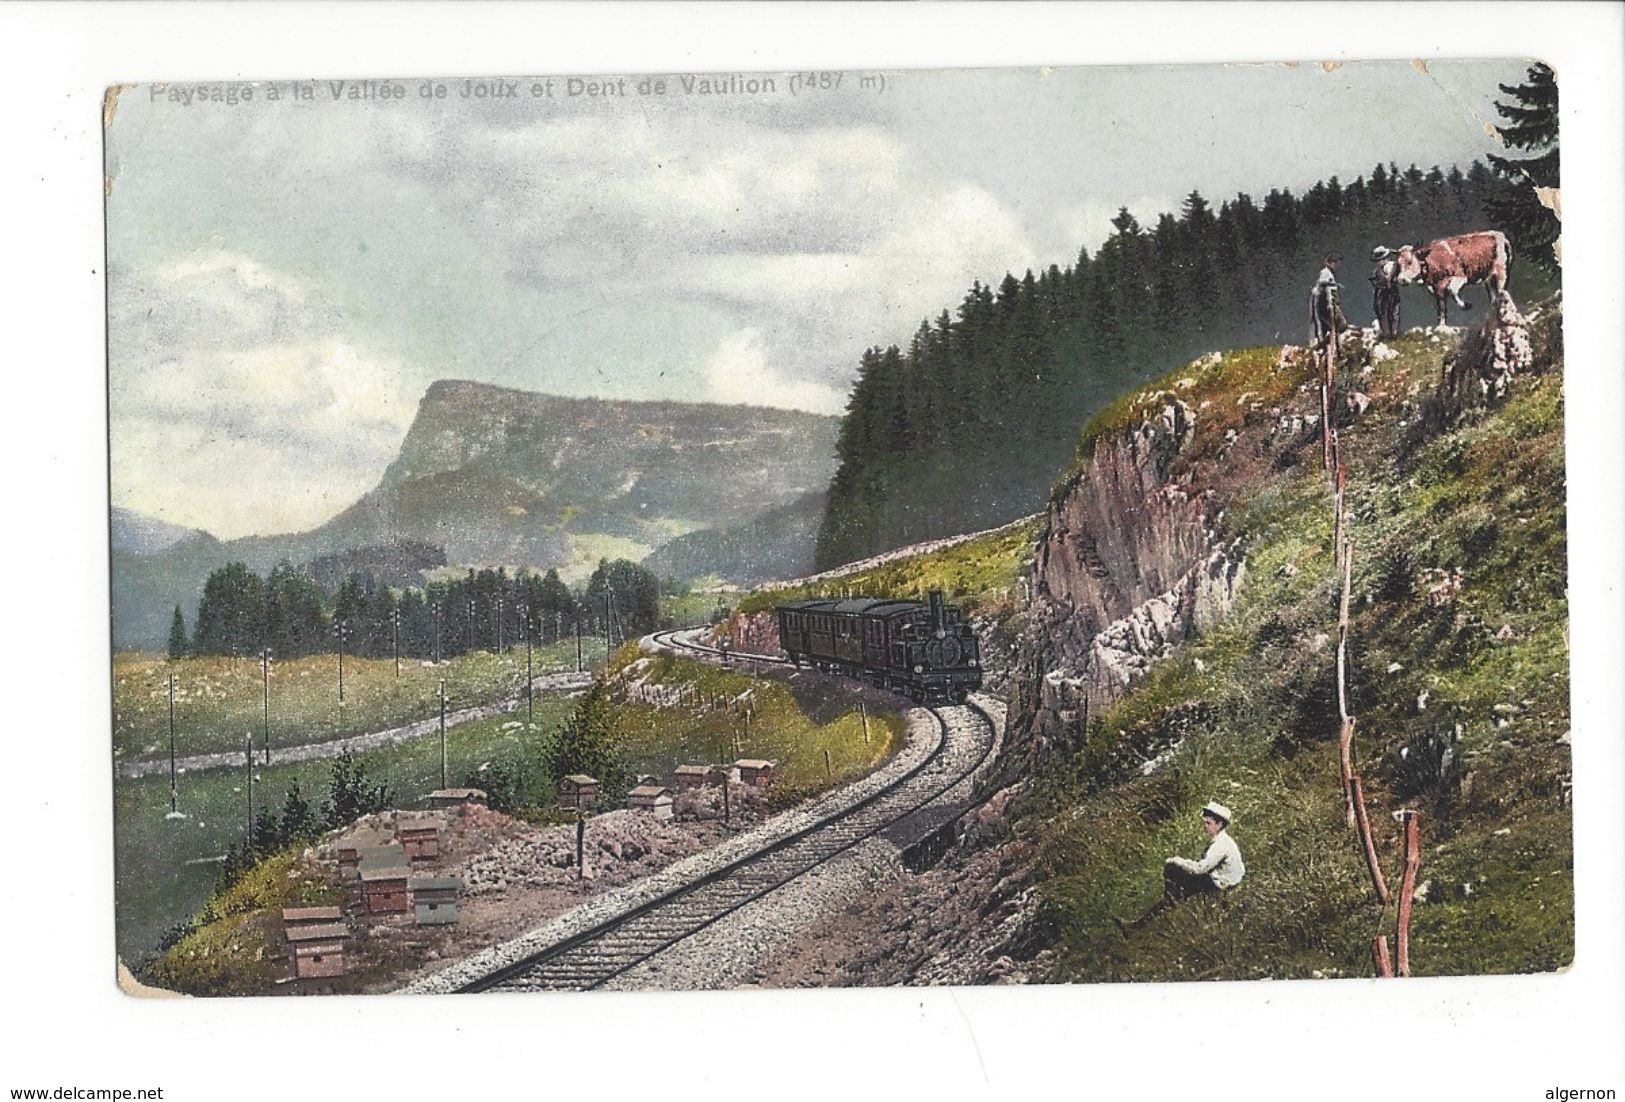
{"type": "Point", "coordinates": [791, 723]}
{"type": "Point", "coordinates": [1250, 707]}
{"type": "Point", "coordinates": [218, 700]}
{"type": "Point", "coordinates": [979, 574]}
{"type": "Point", "coordinates": [240, 951]}
{"type": "Point", "coordinates": [163, 872]}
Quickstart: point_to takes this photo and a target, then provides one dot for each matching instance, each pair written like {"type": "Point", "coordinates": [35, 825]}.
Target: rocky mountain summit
{"type": "Point", "coordinates": [490, 476]}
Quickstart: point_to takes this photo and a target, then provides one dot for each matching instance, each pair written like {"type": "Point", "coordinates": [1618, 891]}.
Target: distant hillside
{"type": "Point", "coordinates": [962, 425]}
{"type": "Point", "coordinates": [494, 476]}
{"type": "Point", "coordinates": [776, 544]}
{"type": "Point", "coordinates": [140, 534]}
{"type": "Point", "coordinates": [146, 589]}
{"type": "Point", "coordinates": [398, 565]}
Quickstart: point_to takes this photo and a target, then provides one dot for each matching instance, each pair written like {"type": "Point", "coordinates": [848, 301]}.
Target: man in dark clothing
{"type": "Point", "coordinates": [1325, 309]}
{"type": "Point", "coordinates": [1385, 291]}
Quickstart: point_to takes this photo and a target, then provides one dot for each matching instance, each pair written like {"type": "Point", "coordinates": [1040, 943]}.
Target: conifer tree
{"type": "Point", "coordinates": [350, 792]}
{"type": "Point", "coordinates": [177, 635]}
{"type": "Point", "coordinates": [231, 612]}
{"type": "Point", "coordinates": [299, 823]}
{"type": "Point", "coordinates": [587, 744]}
{"type": "Point", "coordinates": [1531, 126]}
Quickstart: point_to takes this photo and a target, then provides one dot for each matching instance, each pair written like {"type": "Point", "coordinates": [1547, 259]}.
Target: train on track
{"type": "Point", "coordinates": [925, 649]}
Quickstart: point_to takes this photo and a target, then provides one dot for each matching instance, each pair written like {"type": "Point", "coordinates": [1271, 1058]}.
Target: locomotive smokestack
{"type": "Point", "coordinates": [938, 620]}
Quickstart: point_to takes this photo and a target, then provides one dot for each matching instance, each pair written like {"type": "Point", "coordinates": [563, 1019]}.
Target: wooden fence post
{"type": "Point", "coordinates": [1343, 629]}
{"type": "Point", "coordinates": [1379, 956]}
{"type": "Point", "coordinates": [1325, 429]}
{"type": "Point", "coordinates": [1331, 400]}
{"type": "Point", "coordinates": [1345, 767]}
{"type": "Point", "coordinates": [1407, 885]}
{"type": "Point", "coordinates": [1357, 796]}
{"type": "Point", "coordinates": [1340, 520]}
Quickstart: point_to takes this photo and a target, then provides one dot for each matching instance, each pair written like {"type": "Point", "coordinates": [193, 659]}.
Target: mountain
{"type": "Point", "coordinates": [491, 476]}
{"type": "Point", "coordinates": [140, 534]}
{"type": "Point", "coordinates": [776, 544]}
{"type": "Point", "coordinates": [494, 475]}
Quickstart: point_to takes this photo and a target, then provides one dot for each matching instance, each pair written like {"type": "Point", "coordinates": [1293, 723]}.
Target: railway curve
{"type": "Point", "coordinates": [902, 809]}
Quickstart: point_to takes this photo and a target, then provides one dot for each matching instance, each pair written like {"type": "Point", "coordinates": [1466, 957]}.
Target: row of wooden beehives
{"type": "Point", "coordinates": [380, 866]}
{"type": "Point", "coordinates": [579, 792]}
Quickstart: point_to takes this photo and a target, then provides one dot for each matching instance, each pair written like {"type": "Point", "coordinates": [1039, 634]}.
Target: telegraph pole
{"type": "Point", "coordinates": [265, 699]}
{"type": "Point", "coordinates": [530, 683]}
{"type": "Point", "coordinates": [172, 809]}
{"type": "Point", "coordinates": [395, 619]}
{"type": "Point", "coordinates": [471, 625]}
{"type": "Point", "coordinates": [443, 781]}
{"type": "Point", "coordinates": [578, 640]}
{"type": "Point", "coordinates": [341, 629]}
{"type": "Point", "coordinates": [248, 786]}
{"type": "Point", "coordinates": [436, 608]}
{"type": "Point", "coordinates": [499, 623]}
{"type": "Point", "coordinates": [606, 624]}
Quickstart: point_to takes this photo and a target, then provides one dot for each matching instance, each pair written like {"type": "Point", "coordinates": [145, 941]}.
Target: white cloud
{"type": "Point", "coordinates": [238, 402]}
{"type": "Point", "coordinates": [824, 240]}
{"type": "Point", "coordinates": [738, 372]}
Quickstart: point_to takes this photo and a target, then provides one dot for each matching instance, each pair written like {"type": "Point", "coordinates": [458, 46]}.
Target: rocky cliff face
{"type": "Point", "coordinates": [1128, 565]}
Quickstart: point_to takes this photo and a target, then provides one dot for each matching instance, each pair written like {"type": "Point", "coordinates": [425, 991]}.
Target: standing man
{"type": "Point", "coordinates": [1325, 309]}
{"type": "Point", "coordinates": [1385, 291]}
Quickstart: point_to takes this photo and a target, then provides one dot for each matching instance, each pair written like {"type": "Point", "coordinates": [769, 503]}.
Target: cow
{"type": "Point", "coordinates": [1447, 265]}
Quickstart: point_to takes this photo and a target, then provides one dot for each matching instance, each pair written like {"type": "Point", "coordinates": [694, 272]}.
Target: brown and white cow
{"type": "Point", "coordinates": [1447, 265]}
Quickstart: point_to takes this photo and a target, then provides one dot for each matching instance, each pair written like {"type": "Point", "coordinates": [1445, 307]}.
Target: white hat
{"type": "Point", "coordinates": [1381, 252]}
{"type": "Point", "coordinates": [1218, 811]}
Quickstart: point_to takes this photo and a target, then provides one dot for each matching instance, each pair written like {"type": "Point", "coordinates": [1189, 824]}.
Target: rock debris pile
{"type": "Point", "coordinates": [618, 846]}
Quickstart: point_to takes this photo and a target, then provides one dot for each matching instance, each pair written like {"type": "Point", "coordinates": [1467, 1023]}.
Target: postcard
{"type": "Point", "coordinates": [676, 531]}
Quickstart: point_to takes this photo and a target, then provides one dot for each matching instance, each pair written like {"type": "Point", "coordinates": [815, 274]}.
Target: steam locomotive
{"type": "Point", "coordinates": [925, 650]}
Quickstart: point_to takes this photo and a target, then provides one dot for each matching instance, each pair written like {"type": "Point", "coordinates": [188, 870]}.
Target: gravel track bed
{"type": "Point", "coordinates": [726, 953]}
{"type": "Point", "coordinates": [920, 741]}
{"type": "Point", "coordinates": [731, 952]}
{"type": "Point", "coordinates": [374, 740]}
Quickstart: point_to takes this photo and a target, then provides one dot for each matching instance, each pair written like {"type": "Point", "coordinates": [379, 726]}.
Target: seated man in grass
{"type": "Point", "coordinates": [1219, 869]}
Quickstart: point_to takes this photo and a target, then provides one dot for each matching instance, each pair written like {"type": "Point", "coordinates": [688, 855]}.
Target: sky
{"type": "Point", "coordinates": [287, 277]}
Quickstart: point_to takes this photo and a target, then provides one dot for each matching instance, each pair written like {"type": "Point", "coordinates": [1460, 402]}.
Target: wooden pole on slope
{"type": "Point", "coordinates": [1345, 768]}
{"type": "Point", "coordinates": [1345, 737]}
{"type": "Point", "coordinates": [1378, 884]}
{"type": "Point", "coordinates": [1379, 956]}
{"type": "Point", "coordinates": [1407, 885]}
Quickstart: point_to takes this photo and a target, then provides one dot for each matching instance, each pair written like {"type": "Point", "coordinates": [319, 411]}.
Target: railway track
{"type": "Point", "coordinates": [907, 809]}
{"type": "Point", "coordinates": [682, 639]}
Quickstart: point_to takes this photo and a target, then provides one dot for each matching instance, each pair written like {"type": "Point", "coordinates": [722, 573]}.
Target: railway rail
{"type": "Point", "coordinates": [905, 810]}
{"type": "Point", "coordinates": [684, 639]}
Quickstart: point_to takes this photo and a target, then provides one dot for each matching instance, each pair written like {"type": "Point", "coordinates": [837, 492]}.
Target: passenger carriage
{"type": "Point", "coordinates": [924, 649]}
